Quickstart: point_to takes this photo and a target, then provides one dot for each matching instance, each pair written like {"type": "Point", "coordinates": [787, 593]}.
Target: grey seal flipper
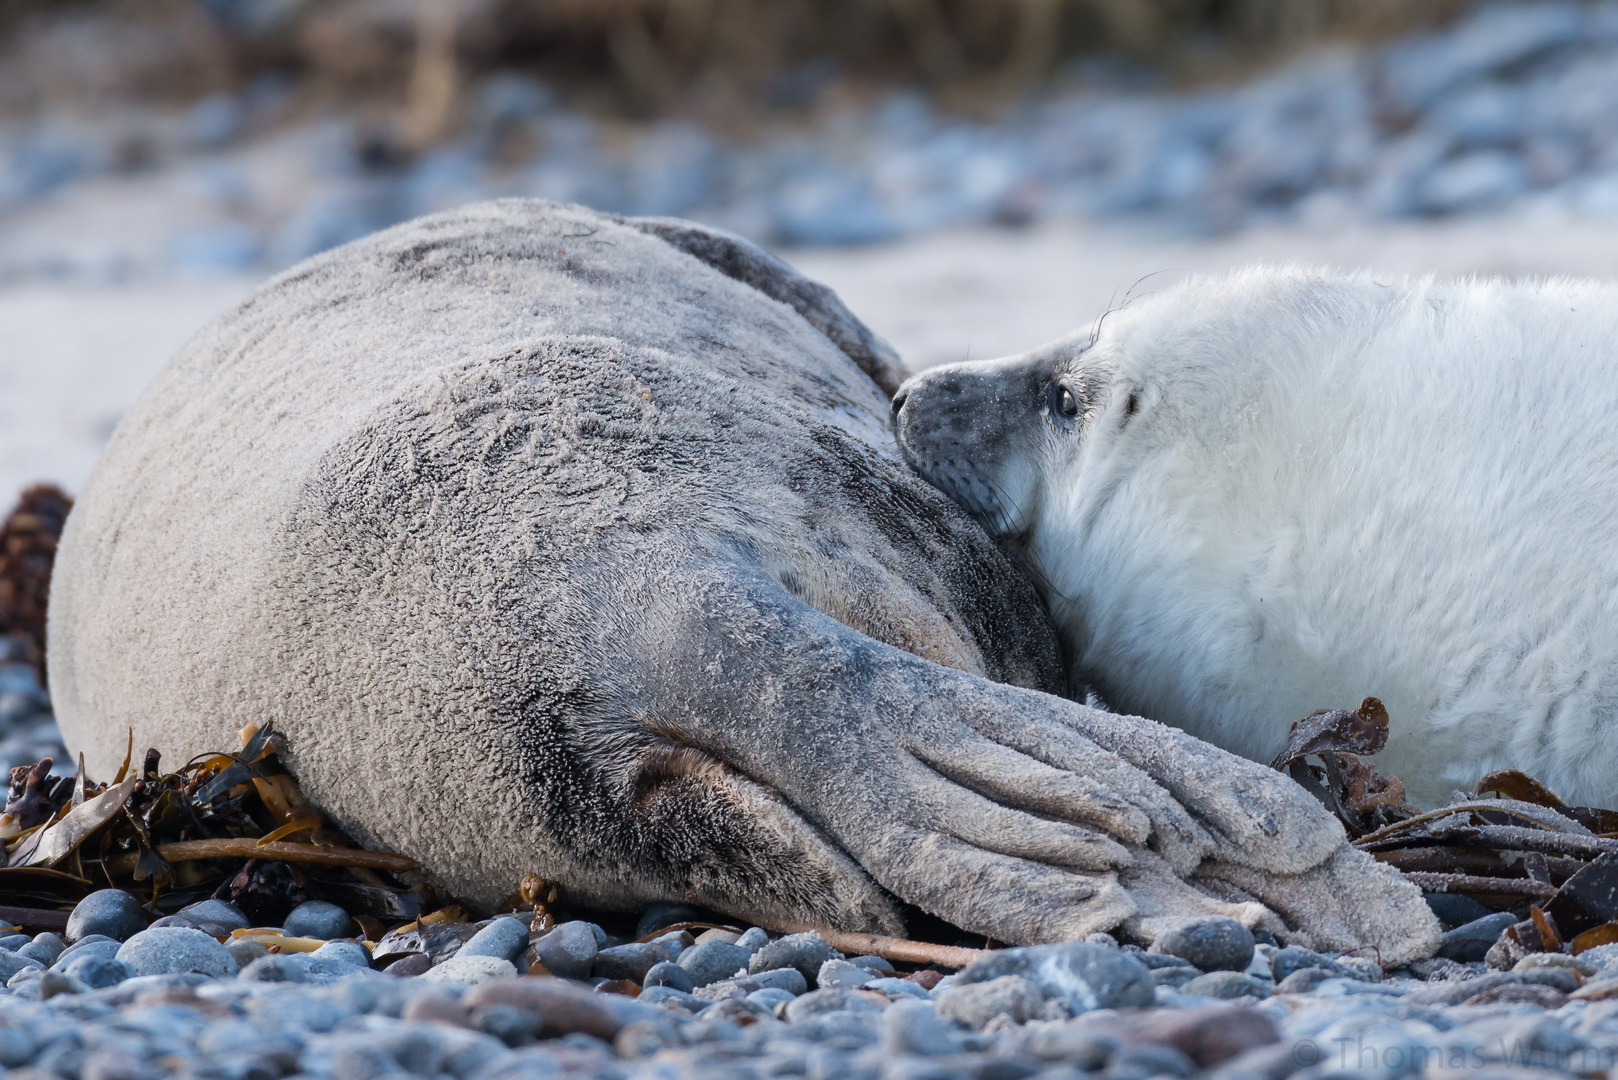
{"type": "Point", "coordinates": [553, 548]}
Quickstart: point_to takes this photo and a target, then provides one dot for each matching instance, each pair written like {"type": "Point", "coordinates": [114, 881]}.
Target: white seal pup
{"type": "Point", "coordinates": [1250, 497]}
{"type": "Point", "coordinates": [561, 543]}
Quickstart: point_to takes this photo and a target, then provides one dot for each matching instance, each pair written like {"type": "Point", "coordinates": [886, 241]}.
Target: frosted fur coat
{"type": "Point", "coordinates": [1283, 490]}
{"type": "Point", "coordinates": [568, 544]}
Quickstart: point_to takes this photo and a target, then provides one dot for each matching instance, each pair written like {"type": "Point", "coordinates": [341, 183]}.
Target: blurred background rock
{"type": "Point", "coordinates": [974, 175]}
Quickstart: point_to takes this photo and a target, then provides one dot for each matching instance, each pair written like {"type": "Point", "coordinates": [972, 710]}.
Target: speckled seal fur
{"type": "Point", "coordinates": [563, 543]}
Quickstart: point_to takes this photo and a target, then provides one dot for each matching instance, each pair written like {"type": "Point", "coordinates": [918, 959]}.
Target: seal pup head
{"type": "Point", "coordinates": [991, 434]}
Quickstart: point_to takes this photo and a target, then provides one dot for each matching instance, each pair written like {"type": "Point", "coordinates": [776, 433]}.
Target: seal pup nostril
{"type": "Point", "coordinates": [899, 399]}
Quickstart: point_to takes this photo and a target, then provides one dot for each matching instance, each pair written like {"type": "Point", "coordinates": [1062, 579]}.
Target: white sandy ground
{"type": "Point", "coordinates": [74, 357]}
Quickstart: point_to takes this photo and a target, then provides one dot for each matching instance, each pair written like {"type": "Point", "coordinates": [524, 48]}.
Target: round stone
{"type": "Point", "coordinates": [471, 969]}
{"type": "Point", "coordinates": [104, 947]}
{"type": "Point", "coordinates": [1209, 944]}
{"type": "Point", "coordinates": [630, 962]}
{"type": "Point", "coordinates": [770, 998]}
{"type": "Point", "coordinates": [167, 950]}
{"type": "Point", "coordinates": [317, 919]}
{"type": "Point", "coordinates": [342, 952]}
{"type": "Point", "coordinates": [1227, 985]}
{"type": "Point", "coordinates": [806, 952]}
{"type": "Point", "coordinates": [1470, 942]}
{"type": "Point", "coordinates": [505, 937]}
{"type": "Point", "coordinates": [112, 912]}
{"type": "Point", "coordinates": [667, 973]}
{"type": "Point", "coordinates": [975, 1004]}
{"type": "Point", "coordinates": [46, 948]}
{"type": "Point", "coordinates": [712, 960]}
{"type": "Point", "coordinates": [215, 917]}
{"type": "Point", "coordinates": [843, 973]}
{"type": "Point", "coordinates": [244, 951]}
{"type": "Point", "coordinates": [95, 971]}
{"type": "Point", "coordinates": [1083, 976]}
{"type": "Point", "coordinates": [568, 951]}
{"type": "Point", "coordinates": [277, 968]}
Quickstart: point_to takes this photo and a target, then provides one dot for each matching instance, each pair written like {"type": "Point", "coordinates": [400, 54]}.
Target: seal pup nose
{"type": "Point", "coordinates": [899, 396]}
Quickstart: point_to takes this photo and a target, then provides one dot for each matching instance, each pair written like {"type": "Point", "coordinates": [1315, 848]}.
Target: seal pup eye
{"type": "Point", "coordinates": [1063, 403]}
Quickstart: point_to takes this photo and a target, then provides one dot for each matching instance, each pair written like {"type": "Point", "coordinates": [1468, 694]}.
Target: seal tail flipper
{"type": "Point", "coordinates": [750, 264]}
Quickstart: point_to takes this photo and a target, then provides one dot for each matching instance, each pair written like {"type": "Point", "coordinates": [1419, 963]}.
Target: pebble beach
{"type": "Point", "coordinates": [199, 994]}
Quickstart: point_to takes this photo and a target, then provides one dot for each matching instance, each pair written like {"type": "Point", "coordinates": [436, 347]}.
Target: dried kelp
{"type": "Point", "coordinates": [229, 826]}
{"type": "Point", "coordinates": [1349, 787]}
{"type": "Point", "coordinates": [27, 553]}
{"type": "Point", "coordinates": [1512, 844]}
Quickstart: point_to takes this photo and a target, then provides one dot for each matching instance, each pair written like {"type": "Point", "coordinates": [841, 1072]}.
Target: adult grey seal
{"type": "Point", "coordinates": [562, 543]}
{"type": "Point", "coordinates": [1249, 497]}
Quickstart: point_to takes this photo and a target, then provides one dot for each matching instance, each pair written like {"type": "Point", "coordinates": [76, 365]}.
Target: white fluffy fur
{"type": "Point", "coordinates": [1339, 486]}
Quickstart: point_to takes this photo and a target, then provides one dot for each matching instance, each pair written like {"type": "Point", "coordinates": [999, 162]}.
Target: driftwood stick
{"type": "Point", "coordinates": [898, 949]}
{"type": "Point", "coordinates": [247, 847]}
{"type": "Point", "coordinates": [34, 918]}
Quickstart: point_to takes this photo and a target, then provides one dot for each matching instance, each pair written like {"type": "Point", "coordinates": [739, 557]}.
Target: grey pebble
{"type": "Point", "coordinates": [805, 952]}
{"type": "Point", "coordinates": [1217, 944]}
{"type": "Point", "coordinates": [770, 998]}
{"type": "Point", "coordinates": [630, 962]}
{"type": "Point", "coordinates": [513, 1026]}
{"type": "Point", "coordinates": [897, 988]}
{"type": "Point", "coordinates": [99, 944]}
{"type": "Point", "coordinates": [668, 995]}
{"type": "Point", "coordinates": [13, 942]}
{"type": "Point", "coordinates": [843, 973]}
{"type": "Point", "coordinates": [817, 1002]}
{"type": "Point", "coordinates": [277, 968]}
{"type": "Point", "coordinates": [341, 955]}
{"type": "Point", "coordinates": [789, 979]}
{"type": "Point", "coordinates": [1144, 1060]}
{"type": "Point", "coordinates": [11, 964]}
{"type": "Point", "coordinates": [1156, 961]}
{"type": "Point", "coordinates": [244, 951]}
{"type": "Point", "coordinates": [1470, 942]}
{"type": "Point", "coordinates": [1175, 976]}
{"type": "Point", "coordinates": [668, 973]}
{"type": "Point", "coordinates": [1454, 910]}
{"type": "Point", "coordinates": [317, 919]}
{"type": "Point", "coordinates": [1303, 980]}
{"type": "Point", "coordinates": [914, 1027]}
{"type": "Point", "coordinates": [874, 963]}
{"type": "Point", "coordinates": [172, 949]}
{"type": "Point", "coordinates": [112, 912]}
{"type": "Point", "coordinates": [974, 1004]}
{"type": "Point", "coordinates": [16, 1047]}
{"type": "Point", "coordinates": [1085, 976]}
{"type": "Point", "coordinates": [1293, 958]}
{"type": "Point", "coordinates": [46, 948]}
{"type": "Point", "coordinates": [216, 917]}
{"type": "Point", "coordinates": [568, 951]}
{"type": "Point", "coordinates": [1227, 985]}
{"type": "Point", "coordinates": [504, 937]}
{"type": "Point", "coordinates": [753, 940]}
{"type": "Point", "coordinates": [737, 1010]}
{"type": "Point", "coordinates": [96, 971]}
{"type": "Point", "coordinates": [713, 960]}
